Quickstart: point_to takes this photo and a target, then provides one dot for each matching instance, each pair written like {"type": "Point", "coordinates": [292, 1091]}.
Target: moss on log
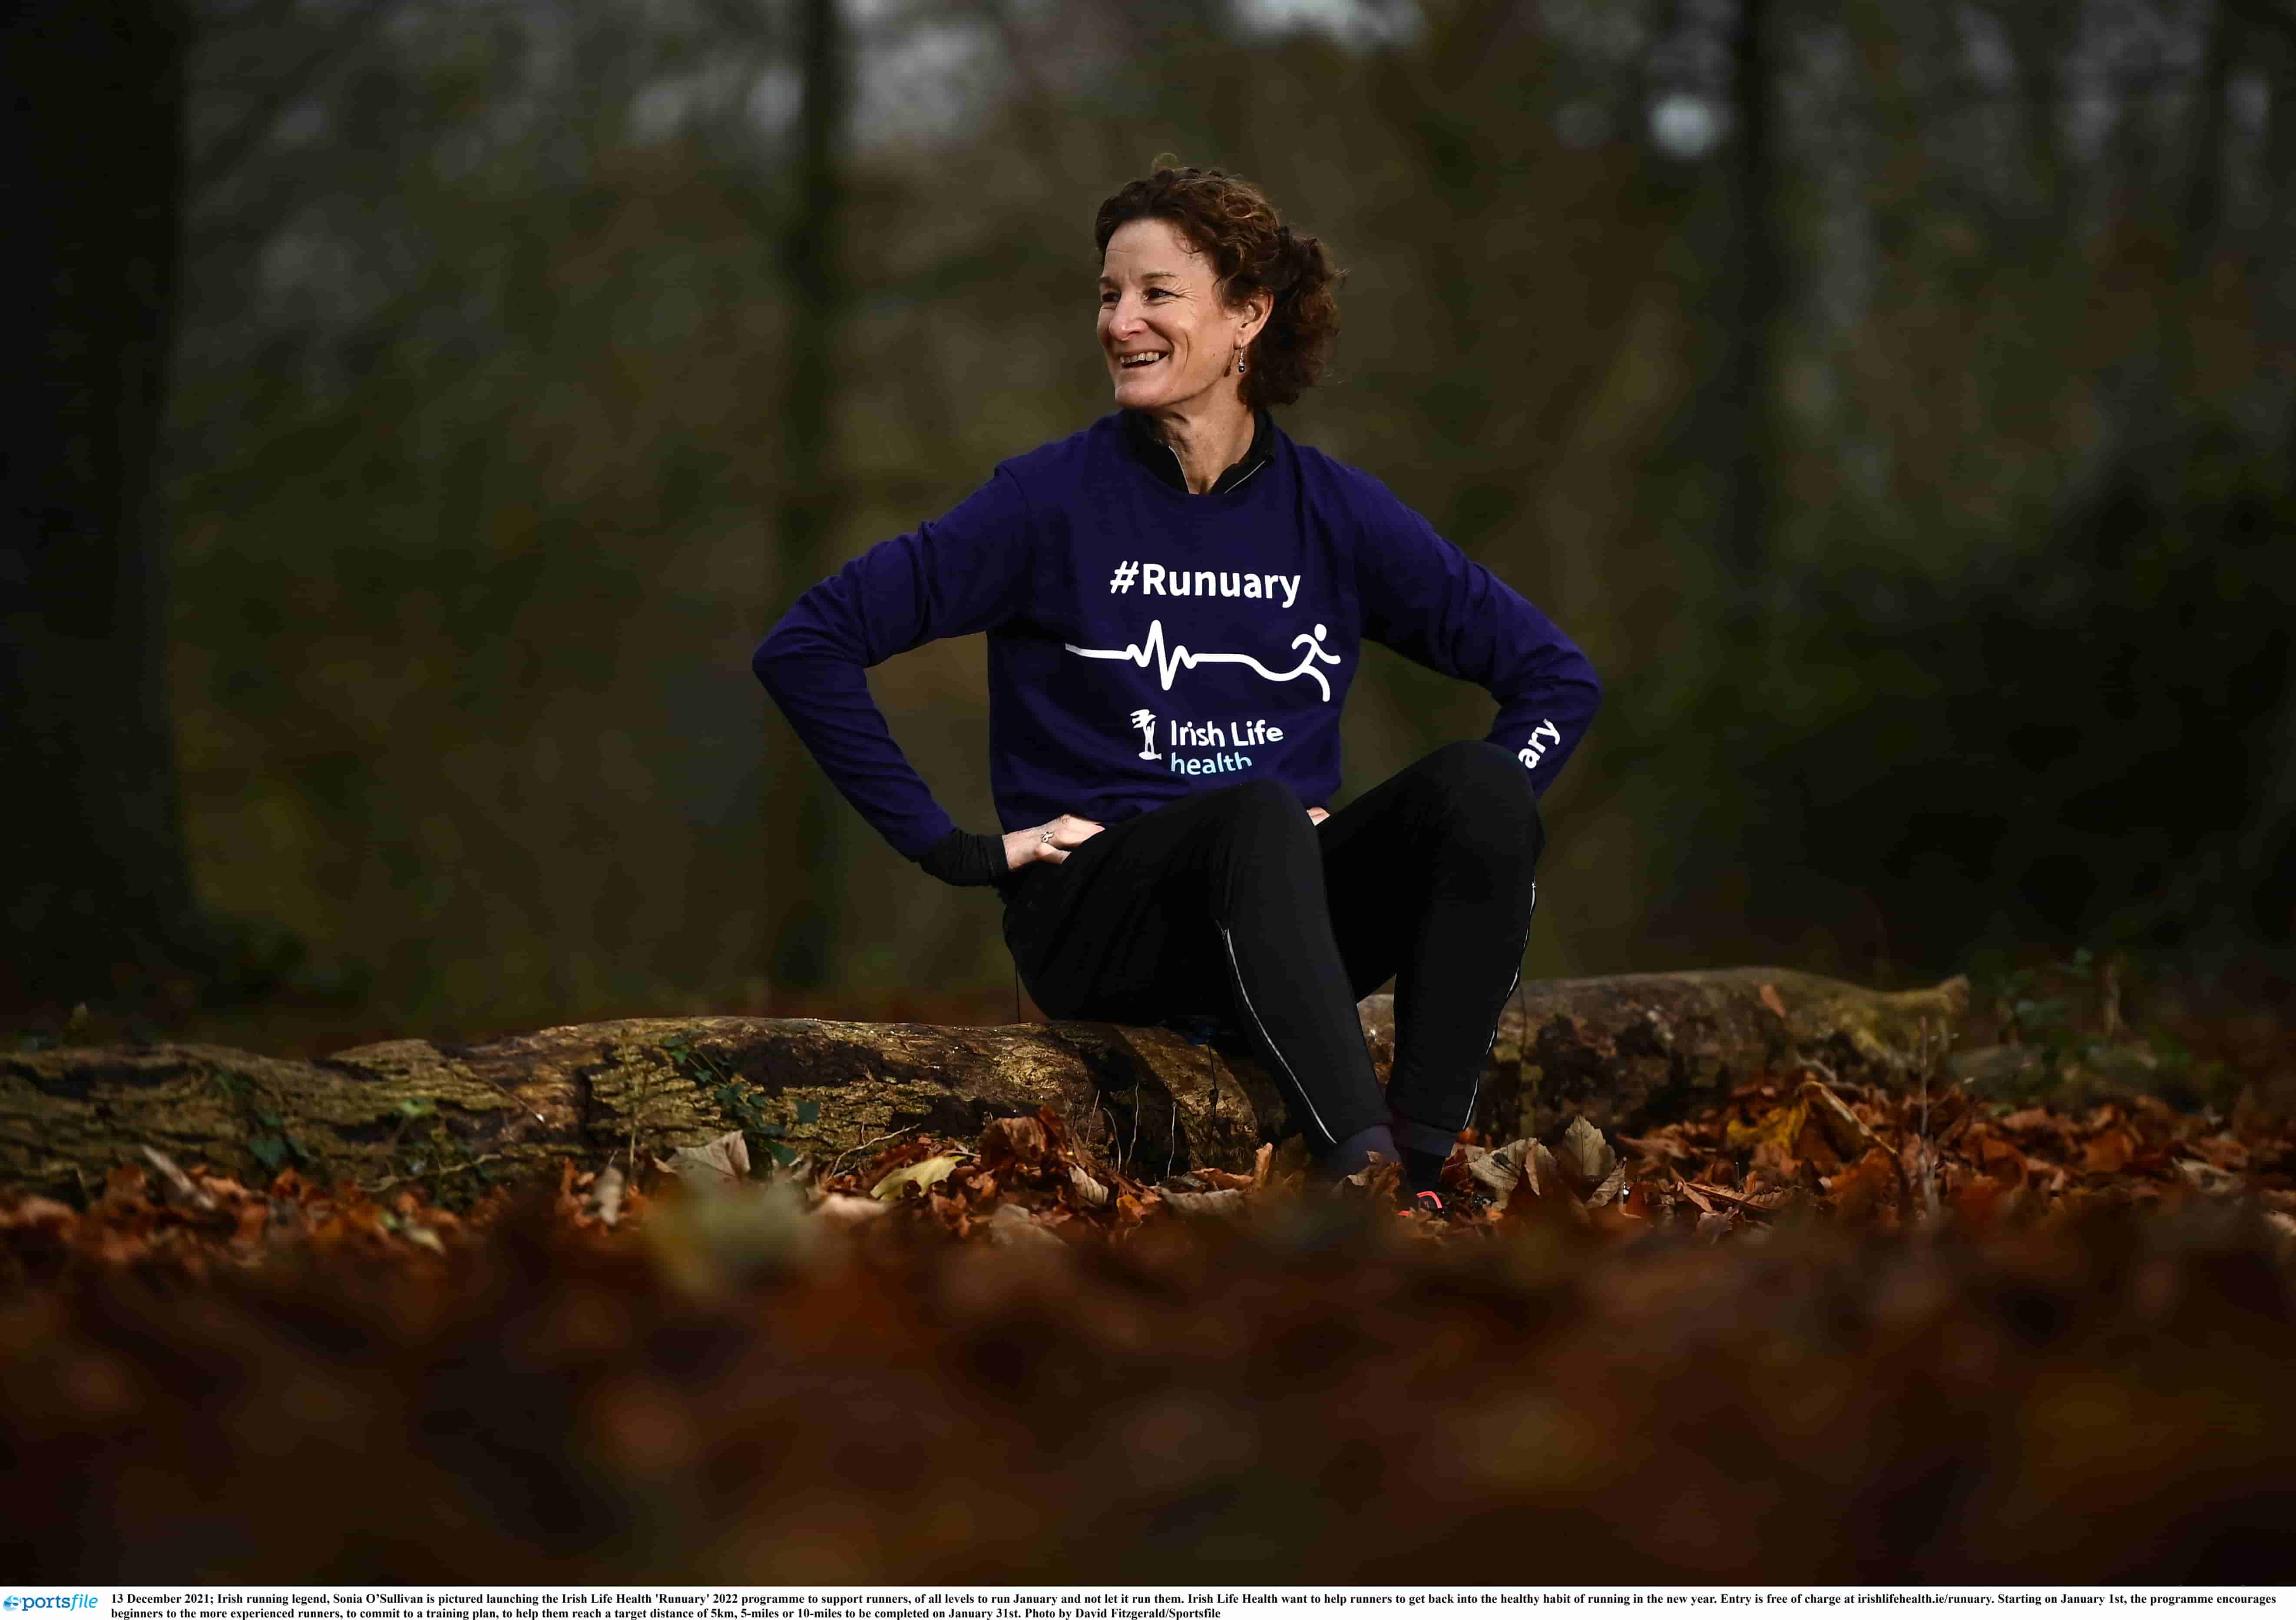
{"type": "Point", "coordinates": [455, 1120]}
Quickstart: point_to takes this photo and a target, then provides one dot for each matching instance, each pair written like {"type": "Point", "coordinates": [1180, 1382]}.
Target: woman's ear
{"type": "Point", "coordinates": [1257, 308]}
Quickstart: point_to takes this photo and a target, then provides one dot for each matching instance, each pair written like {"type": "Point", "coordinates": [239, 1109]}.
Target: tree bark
{"type": "Point", "coordinates": [1638, 1049]}
{"type": "Point", "coordinates": [804, 818]}
{"type": "Point", "coordinates": [1753, 333]}
{"type": "Point", "coordinates": [93, 121]}
{"type": "Point", "coordinates": [452, 1120]}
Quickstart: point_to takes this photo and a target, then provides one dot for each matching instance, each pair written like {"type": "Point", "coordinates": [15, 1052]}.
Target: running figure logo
{"type": "Point", "coordinates": [1169, 663]}
{"type": "Point", "coordinates": [1146, 721]}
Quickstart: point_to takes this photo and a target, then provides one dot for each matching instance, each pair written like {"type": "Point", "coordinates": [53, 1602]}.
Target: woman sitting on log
{"type": "Point", "coordinates": [1175, 599]}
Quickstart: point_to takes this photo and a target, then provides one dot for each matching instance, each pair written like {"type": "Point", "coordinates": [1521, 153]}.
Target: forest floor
{"type": "Point", "coordinates": [1818, 1334]}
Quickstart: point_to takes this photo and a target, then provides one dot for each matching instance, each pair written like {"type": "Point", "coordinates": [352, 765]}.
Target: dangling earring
{"type": "Point", "coordinates": [1239, 362]}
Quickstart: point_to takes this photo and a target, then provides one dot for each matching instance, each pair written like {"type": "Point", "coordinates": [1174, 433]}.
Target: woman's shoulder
{"type": "Point", "coordinates": [1060, 459]}
{"type": "Point", "coordinates": [1327, 476]}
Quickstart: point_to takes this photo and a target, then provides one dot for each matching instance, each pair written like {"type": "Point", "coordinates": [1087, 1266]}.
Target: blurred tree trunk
{"type": "Point", "coordinates": [2273, 31]}
{"type": "Point", "coordinates": [2172, 234]}
{"type": "Point", "coordinates": [2263, 35]}
{"type": "Point", "coordinates": [1754, 276]}
{"type": "Point", "coordinates": [1438, 97]}
{"type": "Point", "coordinates": [804, 818]}
{"type": "Point", "coordinates": [95, 891]}
{"type": "Point", "coordinates": [2198, 225]}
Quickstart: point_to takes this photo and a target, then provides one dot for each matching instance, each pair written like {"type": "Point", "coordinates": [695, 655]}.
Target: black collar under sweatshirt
{"type": "Point", "coordinates": [1164, 461]}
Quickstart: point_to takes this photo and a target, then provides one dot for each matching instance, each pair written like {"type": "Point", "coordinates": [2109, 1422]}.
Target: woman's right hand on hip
{"type": "Point", "coordinates": [1051, 841]}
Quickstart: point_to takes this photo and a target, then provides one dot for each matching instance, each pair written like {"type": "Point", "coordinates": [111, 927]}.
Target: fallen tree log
{"type": "Point", "coordinates": [1641, 1049]}
{"type": "Point", "coordinates": [1625, 1051]}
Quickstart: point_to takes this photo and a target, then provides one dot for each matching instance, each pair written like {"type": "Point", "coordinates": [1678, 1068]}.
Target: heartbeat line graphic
{"type": "Point", "coordinates": [1170, 663]}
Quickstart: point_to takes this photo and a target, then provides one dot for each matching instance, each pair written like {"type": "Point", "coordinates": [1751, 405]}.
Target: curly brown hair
{"type": "Point", "coordinates": [1231, 220]}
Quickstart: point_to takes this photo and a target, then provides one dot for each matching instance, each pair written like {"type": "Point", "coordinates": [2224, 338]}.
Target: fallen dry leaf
{"type": "Point", "coordinates": [1380, 1180]}
{"type": "Point", "coordinates": [33, 1211]}
{"type": "Point", "coordinates": [847, 1209]}
{"type": "Point", "coordinates": [179, 1183]}
{"type": "Point", "coordinates": [1017, 1140]}
{"type": "Point", "coordinates": [606, 1194]}
{"type": "Point", "coordinates": [1870, 1189]}
{"type": "Point", "coordinates": [922, 1175]}
{"type": "Point", "coordinates": [724, 1158]}
{"type": "Point", "coordinates": [2207, 1178]}
{"type": "Point", "coordinates": [1781, 1125]}
{"type": "Point", "coordinates": [1223, 1201]}
{"type": "Point", "coordinates": [1222, 1179]}
{"type": "Point", "coordinates": [1091, 1191]}
{"type": "Point", "coordinates": [1845, 1132]}
{"type": "Point", "coordinates": [1584, 1154]}
{"type": "Point", "coordinates": [1498, 1172]}
{"type": "Point", "coordinates": [1010, 1226]}
{"type": "Point", "coordinates": [2283, 1228]}
{"type": "Point", "coordinates": [1693, 1192]}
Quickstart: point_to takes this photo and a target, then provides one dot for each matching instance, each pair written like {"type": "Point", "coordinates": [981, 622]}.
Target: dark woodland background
{"type": "Point", "coordinates": [424, 408]}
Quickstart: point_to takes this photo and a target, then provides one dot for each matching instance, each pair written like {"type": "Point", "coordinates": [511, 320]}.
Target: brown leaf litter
{"type": "Point", "coordinates": [1818, 1335]}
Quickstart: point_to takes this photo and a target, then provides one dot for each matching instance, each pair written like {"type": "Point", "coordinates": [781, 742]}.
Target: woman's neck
{"type": "Point", "coordinates": [1208, 436]}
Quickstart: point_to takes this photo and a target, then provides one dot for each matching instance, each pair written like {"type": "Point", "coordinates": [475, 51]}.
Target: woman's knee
{"type": "Point", "coordinates": [1482, 785]}
{"type": "Point", "coordinates": [1482, 771]}
{"type": "Point", "coordinates": [1268, 827]}
{"type": "Point", "coordinates": [1266, 798]}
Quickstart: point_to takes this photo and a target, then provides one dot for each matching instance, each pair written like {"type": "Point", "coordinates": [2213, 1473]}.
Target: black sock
{"type": "Point", "coordinates": [1423, 1171]}
{"type": "Point", "coordinates": [1354, 1153]}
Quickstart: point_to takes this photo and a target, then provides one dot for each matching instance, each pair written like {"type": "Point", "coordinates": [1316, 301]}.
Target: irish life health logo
{"type": "Point", "coordinates": [1227, 737]}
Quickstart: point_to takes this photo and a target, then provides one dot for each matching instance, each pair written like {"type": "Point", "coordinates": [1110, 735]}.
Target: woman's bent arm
{"type": "Point", "coordinates": [1430, 601]}
{"type": "Point", "coordinates": [967, 571]}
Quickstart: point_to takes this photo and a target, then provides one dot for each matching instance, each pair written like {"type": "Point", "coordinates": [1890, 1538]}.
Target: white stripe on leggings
{"type": "Point", "coordinates": [1253, 1013]}
{"type": "Point", "coordinates": [1520, 1035]}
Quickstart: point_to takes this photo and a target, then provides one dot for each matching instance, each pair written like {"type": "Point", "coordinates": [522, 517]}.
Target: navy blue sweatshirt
{"type": "Point", "coordinates": [1145, 644]}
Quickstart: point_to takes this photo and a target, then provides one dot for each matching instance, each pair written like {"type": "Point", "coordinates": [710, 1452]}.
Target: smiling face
{"type": "Point", "coordinates": [1169, 340]}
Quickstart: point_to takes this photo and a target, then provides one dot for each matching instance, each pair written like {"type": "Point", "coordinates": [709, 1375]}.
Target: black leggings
{"type": "Point", "coordinates": [1233, 903]}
